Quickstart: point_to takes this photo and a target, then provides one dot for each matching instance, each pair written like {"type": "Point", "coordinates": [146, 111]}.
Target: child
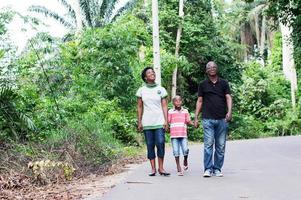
{"type": "Point", "coordinates": [178, 118]}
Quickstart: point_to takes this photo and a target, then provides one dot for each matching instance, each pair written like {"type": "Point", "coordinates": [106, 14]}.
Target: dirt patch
{"type": "Point", "coordinates": [89, 187]}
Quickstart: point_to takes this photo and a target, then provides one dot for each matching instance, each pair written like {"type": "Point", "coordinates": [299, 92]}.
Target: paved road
{"type": "Point", "coordinates": [261, 169]}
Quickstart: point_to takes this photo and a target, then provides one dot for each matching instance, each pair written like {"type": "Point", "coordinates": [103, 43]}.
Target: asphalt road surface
{"type": "Point", "coordinates": [261, 169]}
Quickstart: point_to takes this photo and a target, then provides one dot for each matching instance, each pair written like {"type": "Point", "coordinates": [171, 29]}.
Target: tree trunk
{"type": "Point", "coordinates": [156, 43]}
{"type": "Point", "coordinates": [257, 31]}
{"type": "Point", "coordinates": [141, 53]}
{"type": "Point", "coordinates": [179, 33]}
{"type": "Point", "coordinates": [244, 42]}
{"type": "Point", "coordinates": [288, 62]}
{"type": "Point", "coordinates": [142, 49]}
{"type": "Point", "coordinates": [262, 38]}
{"type": "Point", "coordinates": [145, 4]}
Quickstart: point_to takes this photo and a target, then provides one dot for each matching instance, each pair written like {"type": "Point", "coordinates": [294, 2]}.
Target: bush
{"type": "Point", "coordinates": [121, 123]}
{"type": "Point", "coordinates": [245, 127]}
{"type": "Point", "coordinates": [289, 124]}
{"type": "Point", "coordinates": [195, 134]}
{"type": "Point", "coordinates": [14, 124]}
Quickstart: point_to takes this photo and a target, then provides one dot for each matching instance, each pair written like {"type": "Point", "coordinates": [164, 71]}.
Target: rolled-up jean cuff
{"type": "Point", "coordinates": [179, 144]}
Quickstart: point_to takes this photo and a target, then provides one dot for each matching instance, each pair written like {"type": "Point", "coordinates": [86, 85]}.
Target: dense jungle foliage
{"type": "Point", "coordinates": [73, 98]}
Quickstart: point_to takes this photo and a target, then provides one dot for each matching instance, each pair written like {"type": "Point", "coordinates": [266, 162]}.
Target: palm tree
{"type": "Point", "coordinates": [249, 25]}
{"type": "Point", "coordinates": [85, 13]}
{"type": "Point", "coordinates": [259, 23]}
{"type": "Point", "coordinates": [263, 35]}
{"type": "Point", "coordinates": [255, 34]}
{"type": "Point", "coordinates": [68, 21]}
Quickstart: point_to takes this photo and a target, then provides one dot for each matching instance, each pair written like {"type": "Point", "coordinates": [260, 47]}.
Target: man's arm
{"type": "Point", "coordinates": [229, 107]}
{"type": "Point", "coordinates": [197, 111]}
{"type": "Point", "coordinates": [139, 113]}
{"type": "Point", "coordinates": [164, 108]}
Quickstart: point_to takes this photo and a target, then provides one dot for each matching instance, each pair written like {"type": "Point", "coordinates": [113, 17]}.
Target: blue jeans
{"type": "Point", "coordinates": [155, 137]}
{"type": "Point", "coordinates": [215, 133]}
{"type": "Point", "coordinates": [179, 143]}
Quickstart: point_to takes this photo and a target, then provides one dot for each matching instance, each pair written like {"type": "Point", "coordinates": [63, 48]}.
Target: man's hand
{"type": "Point", "coordinates": [228, 116]}
{"type": "Point", "coordinates": [191, 123]}
{"type": "Point", "coordinates": [196, 123]}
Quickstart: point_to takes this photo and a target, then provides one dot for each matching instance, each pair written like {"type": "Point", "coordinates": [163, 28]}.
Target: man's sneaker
{"type": "Point", "coordinates": [207, 173]}
{"type": "Point", "coordinates": [218, 173]}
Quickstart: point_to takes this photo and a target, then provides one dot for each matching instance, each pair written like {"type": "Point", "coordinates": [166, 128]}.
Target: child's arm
{"type": "Point", "coordinates": [188, 120]}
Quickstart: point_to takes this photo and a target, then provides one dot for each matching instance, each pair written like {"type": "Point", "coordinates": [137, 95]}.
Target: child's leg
{"type": "Point", "coordinates": [184, 146]}
{"type": "Point", "coordinates": [176, 152]}
{"type": "Point", "coordinates": [185, 161]}
{"type": "Point", "coordinates": [177, 158]}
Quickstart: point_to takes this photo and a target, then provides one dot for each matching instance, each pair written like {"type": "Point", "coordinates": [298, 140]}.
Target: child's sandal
{"type": "Point", "coordinates": [181, 173]}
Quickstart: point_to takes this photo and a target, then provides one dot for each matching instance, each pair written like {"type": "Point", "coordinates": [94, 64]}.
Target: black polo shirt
{"type": "Point", "coordinates": [214, 98]}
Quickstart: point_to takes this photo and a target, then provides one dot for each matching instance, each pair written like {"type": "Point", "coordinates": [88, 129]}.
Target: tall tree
{"type": "Point", "coordinates": [178, 39]}
{"type": "Point", "coordinates": [84, 13]}
{"type": "Point", "coordinates": [156, 43]}
{"type": "Point", "coordinates": [201, 42]}
{"type": "Point", "coordinates": [288, 62]}
{"type": "Point", "coordinates": [256, 24]}
{"type": "Point", "coordinates": [289, 15]}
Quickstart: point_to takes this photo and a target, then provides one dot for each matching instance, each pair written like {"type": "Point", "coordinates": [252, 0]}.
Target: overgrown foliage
{"type": "Point", "coordinates": [79, 95]}
{"type": "Point", "coordinates": [73, 101]}
{"type": "Point", "coordinates": [288, 12]}
{"type": "Point", "coordinates": [263, 100]}
{"type": "Point", "coordinates": [200, 43]}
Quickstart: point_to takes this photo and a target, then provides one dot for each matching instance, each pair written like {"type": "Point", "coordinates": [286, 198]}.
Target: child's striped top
{"type": "Point", "coordinates": [178, 120]}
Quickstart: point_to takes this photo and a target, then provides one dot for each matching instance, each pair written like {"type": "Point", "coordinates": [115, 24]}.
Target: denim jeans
{"type": "Point", "coordinates": [155, 137]}
{"type": "Point", "coordinates": [215, 133]}
{"type": "Point", "coordinates": [180, 143]}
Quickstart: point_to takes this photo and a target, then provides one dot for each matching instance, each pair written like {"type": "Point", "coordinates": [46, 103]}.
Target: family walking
{"type": "Point", "coordinates": [154, 119]}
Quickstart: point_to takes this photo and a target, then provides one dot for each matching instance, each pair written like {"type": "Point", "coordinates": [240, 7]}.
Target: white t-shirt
{"type": "Point", "coordinates": [152, 116]}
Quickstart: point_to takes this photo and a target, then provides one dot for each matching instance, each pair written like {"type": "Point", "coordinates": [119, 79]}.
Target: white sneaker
{"type": "Point", "coordinates": [218, 173]}
{"type": "Point", "coordinates": [207, 173]}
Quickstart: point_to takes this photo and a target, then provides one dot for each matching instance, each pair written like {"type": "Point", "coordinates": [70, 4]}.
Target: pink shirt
{"type": "Point", "coordinates": [178, 120]}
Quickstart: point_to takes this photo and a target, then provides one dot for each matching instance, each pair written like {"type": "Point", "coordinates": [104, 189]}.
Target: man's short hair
{"type": "Point", "coordinates": [210, 62]}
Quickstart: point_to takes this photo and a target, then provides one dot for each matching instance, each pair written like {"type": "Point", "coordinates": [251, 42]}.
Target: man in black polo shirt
{"type": "Point", "coordinates": [215, 103]}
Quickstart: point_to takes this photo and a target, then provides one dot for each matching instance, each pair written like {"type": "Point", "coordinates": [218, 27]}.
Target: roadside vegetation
{"type": "Point", "coordinates": [68, 105]}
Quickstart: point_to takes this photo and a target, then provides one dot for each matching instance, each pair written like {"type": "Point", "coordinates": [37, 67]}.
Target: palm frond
{"type": "Point", "coordinates": [26, 121]}
{"type": "Point", "coordinates": [2, 52]}
{"type": "Point", "coordinates": [13, 118]}
{"type": "Point", "coordinates": [95, 13]}
{"type": "Point", "coordinates": [48, 13]}
{"type": "Point", "coordinates": [128, 6]}
{"type": "Point", "coordinates": [6, 94]}
{"type": "Point", "coordinates": [69, 8]}
{"type": "Point", "coordinates": [107, 8]}
{"type": "Point", "coordinates": [85, 6]}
